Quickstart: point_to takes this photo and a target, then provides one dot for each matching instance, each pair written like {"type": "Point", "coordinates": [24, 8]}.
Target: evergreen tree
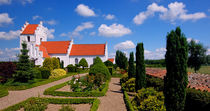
{"type": "Point", "coordinates": [23, 73]}
{"type": "Point", "coordinates": [55, 63]}
{"type": "Point", "coordinates": [121, 60]}
{"type": "Point", "coordinates": [83, 63]}
{"type": "Point", "coordinates": [197, 55]}
{"type": "Point", "coordinates": [175, 81]}
{"type": "Point", "coordinates": [140, 67]}
{"type": "Point", "coordinates": [108, 63]}
{"type": "Point", "coordinates": [131, 72]}
{"type": "Point", "coordinates": [48, 64]}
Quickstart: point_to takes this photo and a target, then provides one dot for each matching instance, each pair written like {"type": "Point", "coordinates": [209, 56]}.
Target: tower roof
{"type": "Point", "coordinates": [30, 29]}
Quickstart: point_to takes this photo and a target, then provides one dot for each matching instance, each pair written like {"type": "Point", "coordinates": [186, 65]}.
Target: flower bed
{"type": "Point", "coordinates": [94, 101]}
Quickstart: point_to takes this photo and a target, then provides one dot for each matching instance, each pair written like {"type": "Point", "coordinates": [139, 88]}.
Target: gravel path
{"type": "Point", "coordinates": [15, 97]}
{"type": "Point", "coordinates": [113, 101]}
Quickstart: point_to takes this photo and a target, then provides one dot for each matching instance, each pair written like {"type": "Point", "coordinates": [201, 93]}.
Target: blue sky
{"type": "Point", "coordinates": [121, 23]}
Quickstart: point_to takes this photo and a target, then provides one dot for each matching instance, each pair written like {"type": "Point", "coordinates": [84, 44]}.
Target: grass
{"type": "Point", "coordinates": [202, 70]}
{"type": "Point", "coordinates": [3, 92]}
{"type": "Point", "coordinates": [38, 83]}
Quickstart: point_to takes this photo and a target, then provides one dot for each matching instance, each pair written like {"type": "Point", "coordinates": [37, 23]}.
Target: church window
{"type": "Point", "coordinates": [76, 61]}
{"type": "Point", "coordinates": [28, 38]}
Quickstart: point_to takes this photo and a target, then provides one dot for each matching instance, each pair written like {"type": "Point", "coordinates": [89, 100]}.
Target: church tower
{"type": "Point", "coordinates": [33, 35]}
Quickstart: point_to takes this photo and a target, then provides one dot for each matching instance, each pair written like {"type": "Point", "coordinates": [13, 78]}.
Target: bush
{"type": "Point", "coordinates": [108, 63]}
{"type": "Point", "coordinates": [110, 70]}
{"type": "Point", "coordinates": [67, 108]}
{"type": "Point", "coordinates": [45, 73]}
{"type": "Point", "coordinates": [36, 73]}
{"type": "Point", "coordinates": [152, 104]}
{"type": "Point", "coordinates": [83, 63]}
{"type": "Point", "coordinates": [155, 82]}
{"type": "Point", "coordinates": [57, 73]}
{"type": "Point", "coordinates": [124, 78]}
{"type": "Point", "coordinates": [48, 64]}
{"type": "Point", "coordinates": [129, 85]}
{"type": "Point", "coordinates": [7, 69]}
{"type": "Point", "coordinates": [144, 94]}
{"type": "Point", "coordinates": [55, 63]}
{"type": "Point", "coordinates": [35, 105]}
{"type": "Point", "coordinates": [71, 68]}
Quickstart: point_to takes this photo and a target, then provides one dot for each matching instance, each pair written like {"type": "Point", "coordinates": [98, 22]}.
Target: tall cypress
{"type": "Point", "coordinates": [131, 72]}
{"type": "Point", "coordinates": [23, 73]}
{"type": "Point", "coordinates": [176, 80]}
{"type": "Point", "coordinates": [140, 67]}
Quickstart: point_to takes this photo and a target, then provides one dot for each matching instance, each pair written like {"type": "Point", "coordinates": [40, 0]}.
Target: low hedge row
{"type": "Point", "coordinates": [3, 92]}
{"type": "Point", "coordinates": [195, 99]}
{"type": "Point", "coordinates": [128, 104]}
{"type": "Point", "coordinates": [94, 101]}
{"type": "Point", "coordinates": [52, 91]}
{"type": "Point", "coordinates": [23, 87]}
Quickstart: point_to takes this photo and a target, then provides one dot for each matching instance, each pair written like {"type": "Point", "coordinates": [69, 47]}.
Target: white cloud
{"type": "Point", "coordinates": [124, 45]}
{"type": "Point", "coordinates": [157, 54]}
{"type": "Point", "coordinates": [78, 29]}
{"type": "Point", "coordinates": [6, 2]}
{"type": "Point", "coordinates": [9, 54]}
{"type": "Point", "coordinates": [26, 1]}
{"type": "Point", "coordinates": [175, 11]}
{"type": "Point", "coordinates": [84, 10]}
{"type": "Point", "coordinates": [109, 17]}
{"type": "Point", "coordinates": [5, 19]}
{"type": "Point", "coordinates": [36, 17]}
{"type": "Point", "coordinates": [9, 35]}
{"type": "Point", "coordinates": [208, 52]}
{"type": "Point", "coordinates": [51, 22]}
{"type": "Point", "coordinates": [92, 33]}
{"type": "Point", "coordinates": [190, 39]}
{"type": "Point", "coordinates": [114, 30]}
{"type": "Point", "coordinates": [50, 33]}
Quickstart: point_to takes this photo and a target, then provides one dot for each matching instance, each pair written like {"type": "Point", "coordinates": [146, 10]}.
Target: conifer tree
{"type": "Point", "coordinates": [131, 72]}
{"type": "Point", "coordinates": [23, 73]}
{"type": "Point", "coordinates": [175, 81]}
{"type": "Point", "coordinates": [140, 67]}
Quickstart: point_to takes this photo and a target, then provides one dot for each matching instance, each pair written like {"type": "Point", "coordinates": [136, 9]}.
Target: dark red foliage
{"type": "Point", "coordinates": [6, 70]}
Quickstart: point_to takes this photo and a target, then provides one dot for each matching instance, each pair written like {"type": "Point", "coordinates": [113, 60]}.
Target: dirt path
{"type": "Point", "coordinates": [15, 97]}
{"type": "Point", "coordinates": [113, 101]}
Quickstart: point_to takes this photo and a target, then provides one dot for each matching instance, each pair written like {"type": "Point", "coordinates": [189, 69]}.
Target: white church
{"type": "Point", "coordinates": [35, 35]}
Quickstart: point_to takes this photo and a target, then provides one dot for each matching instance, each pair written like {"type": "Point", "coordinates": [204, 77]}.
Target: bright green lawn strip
{"type": "Point", "coordinates": [52, 91]}
{"type": "Point", "coordinates": [23, 87]}
{"type": "Point", "coordinates": [94, 101]}
{"type": "Point", "coordinates": [3, 92]}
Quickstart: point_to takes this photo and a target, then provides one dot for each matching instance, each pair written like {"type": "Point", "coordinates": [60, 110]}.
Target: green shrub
{"type": "Point", "coordinates": [128, 104]}
{"type": "Point", "coordinates": [152, 104]}
{"type": "Point", "coordinates": [35, 105]}
{"type": "Point", "coordinates": [155, 82]}
{"type": "Point", "coordinates": [36, 73]}
{"type": "Point", "coordinates": [45, 73]}
{"type": "Point", "coordinates": [55, 63]}
{"type": "Point", "coordinates": [57, 73]}
{"type": "Point", "coordinates": [99, 79]}
{"type": "Point", "coordinates": [83, 63]}
{"type": "Point", "coordinates": [143, 94]}
{"type": "Point", "coordinates": [110, 70]}
{"type": "Point", "coordinates": [124, 78]}
{"type": "Point", "coordinates": [3, 92]}
{"type": "Point", "coordinates": [48, 64]}
{"type": "Point", "coordinates": [67, 108]}
{"type": "Point", "coordinates": [108, 63]}
{"type": "Point", "coordinates": [71, 68]}
{"type": "Point", "coordinates": [129, 85]}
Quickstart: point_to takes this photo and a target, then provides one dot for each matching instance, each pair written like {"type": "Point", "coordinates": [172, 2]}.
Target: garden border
{"type": "Point", "coordinates": [3, 92]}
{"type": "Point", "coordinates": [95, 102]}
{"type": "Point", "coordinates": [127, 101]}
{"type": "Point", "coordinates": [51, 91]}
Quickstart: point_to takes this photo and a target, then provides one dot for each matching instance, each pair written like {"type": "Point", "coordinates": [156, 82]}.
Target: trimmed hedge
{"type": "Point", "coordinates": [128, 104]}
{"type": "Point", "coordinates": [94, 101]}
{"type": "Point", "coordinates": [195, 99]}
{"type": "Point", "coordinates": [3, 92]}
{"type": "Point", "coordinates": [52, 91]}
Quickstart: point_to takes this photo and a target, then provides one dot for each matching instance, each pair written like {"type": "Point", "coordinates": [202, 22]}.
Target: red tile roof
{"type": "Point", "coordinates": [30, 29]}
{"type": "Point", "coordinates": [111, 59]}
{"type": "Point", "coordinates": [87, 49]}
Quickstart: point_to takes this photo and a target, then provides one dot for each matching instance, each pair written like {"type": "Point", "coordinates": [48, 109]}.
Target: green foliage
{"type": "Point", "coordinates": [35, 104]}
{"type": "Point", "coordinates": [155, 82]}
{"type": "Point", "coordinates": [155, 63]}
{"type": "Point", "coordinates": [129, 85]}
{"type": "Point", "coordinates": [196, 55]}
{"type": "Point", "coordinates": [128, 104]}
{"type": "Point", "coordinates": [62, 64]}
{"type": "Point", "coordinates": [131, 72]}
{"type": "Point", "coordinates": [110, 70]}
{"type": "Point", "coordinates": [140, 67]}
{"type": "Point", "coordinates": [124, 78]}
{"type": "Point", "coordinates": [71, 68]}
{"type": "Point", "coordinates": [57, 73]}
{"type": "Point", "coordinates": [207, 60]}
{"type": "Point", "coordinates": [36, 73]}
{"type": "Point", "coordinates": [152, 104]}
{"type": "Point", "coordinates": [3, 92]}
{"type": "Point", "coordinates": [121, 60]}
{"type": "Point", "coordinates": [48, 64]}
{"type": "Point", "coordinates": [67, 108]}
{"type": "Point", "coordinates": [108, 63]}
{"type": "Point", "coordinates": [176, 80]}
{"type": "Point", "coordinates": [99, 68]}
{"type": "Point", "coordinates": [23, 73]}
{"type": "Point", "coordinates": [83, 63]}
{"type": "Point", "coordinates": [142, 99]}
{"type": "Point", "coordinates": [55, 63]}
{"type": "Point", "coordinates": [45, 72]}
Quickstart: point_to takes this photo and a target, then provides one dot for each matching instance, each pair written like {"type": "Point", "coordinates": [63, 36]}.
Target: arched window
{"type": "Point", "coordinates": [76, 61]}
{"type": "Point", "coordinates": [28, 38]}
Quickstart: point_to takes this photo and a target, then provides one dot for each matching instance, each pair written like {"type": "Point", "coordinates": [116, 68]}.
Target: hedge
{"type": "Point", "coordinates": [128, 104]}
{"type": "Point", "coordinates": [3, 92]}
{"type": "Point", "coordinates": [195, 99]}
{"type": "Point", "coordinates": [52, 91]}
{"type": "Point", "coordinates": [94, 101]}
{"type": "Point", "coordinates": [23, 87]}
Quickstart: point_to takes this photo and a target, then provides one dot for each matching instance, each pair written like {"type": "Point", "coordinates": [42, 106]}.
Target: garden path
{"type": "Point", "coordinates": [15, 97]}
{"type": "Point", "coordinates": [113, 101]}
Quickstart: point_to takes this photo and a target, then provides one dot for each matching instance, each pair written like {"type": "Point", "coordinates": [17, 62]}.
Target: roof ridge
{"type": "Point", "coordinates": [88, 44]}
{"type": "Point", "coordinates": [57, 41]}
